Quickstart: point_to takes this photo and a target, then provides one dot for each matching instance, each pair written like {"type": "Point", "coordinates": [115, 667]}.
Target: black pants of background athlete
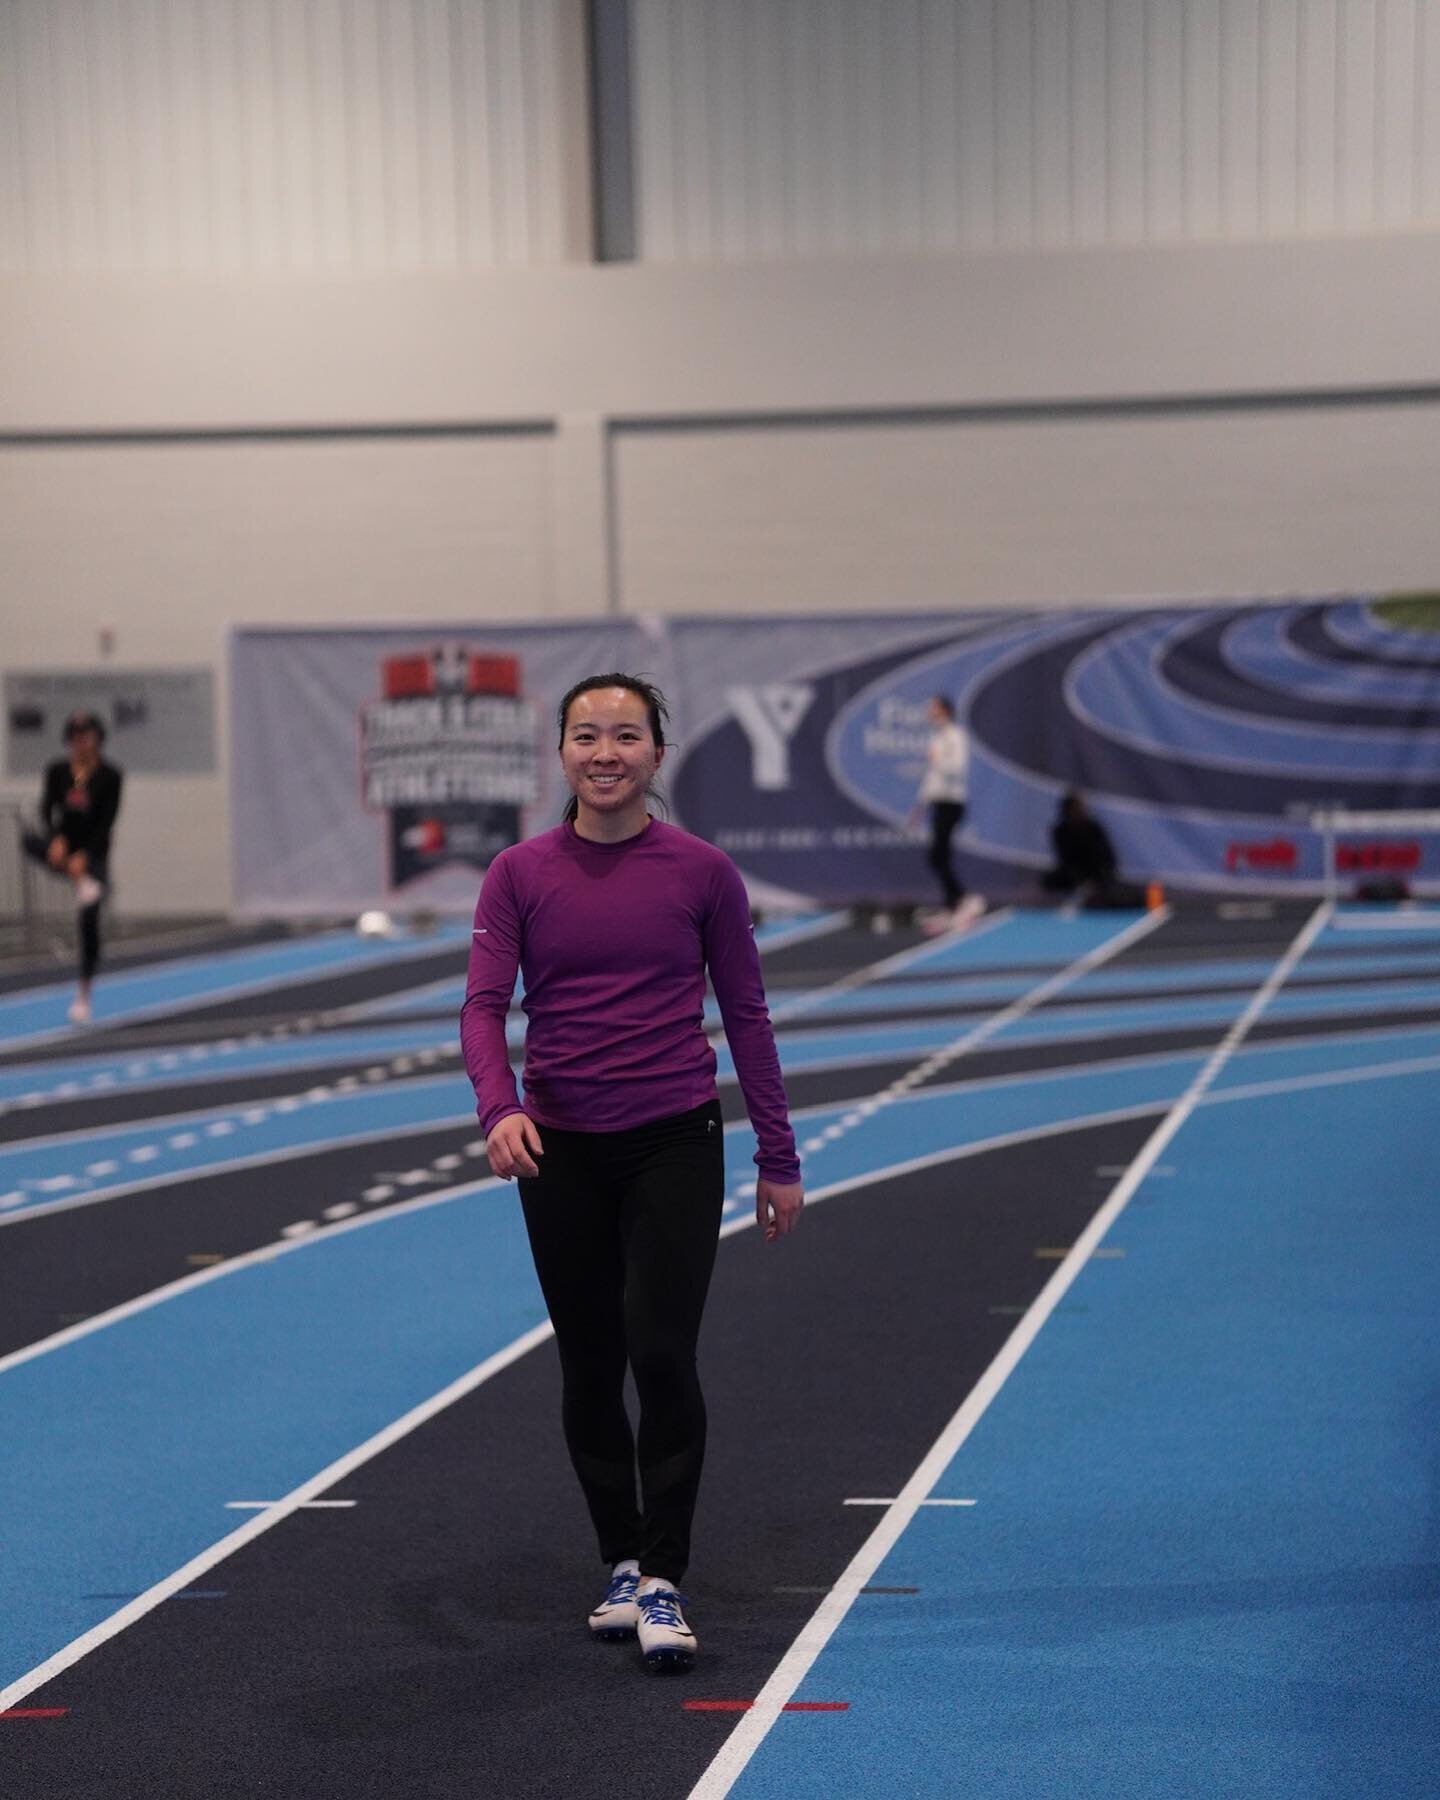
{"type": "Point", "coordinates": [623, 1227]}
{"type": "Point", "coordinates": [945, 815]}
{"type": "Point", "coordinates": [87, 918]}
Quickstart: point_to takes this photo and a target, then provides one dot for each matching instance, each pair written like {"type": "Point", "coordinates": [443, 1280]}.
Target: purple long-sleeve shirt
{"type": "Point", "coordinates": [613, 941]}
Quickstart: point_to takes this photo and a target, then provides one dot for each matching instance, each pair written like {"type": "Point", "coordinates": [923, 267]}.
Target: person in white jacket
{"type": "Point", "coordinates": [943, 791]}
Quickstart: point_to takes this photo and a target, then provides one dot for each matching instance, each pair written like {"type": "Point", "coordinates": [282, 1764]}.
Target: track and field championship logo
{"type": "Point", "coordinates": [450, 754]}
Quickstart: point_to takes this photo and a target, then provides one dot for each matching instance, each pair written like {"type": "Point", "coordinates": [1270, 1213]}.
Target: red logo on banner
{"type": "Point", "coordinates": [1278, 856]}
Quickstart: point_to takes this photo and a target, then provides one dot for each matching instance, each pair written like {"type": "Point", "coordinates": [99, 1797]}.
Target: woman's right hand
{"type": "Point", "coordinates": [513, 1146]}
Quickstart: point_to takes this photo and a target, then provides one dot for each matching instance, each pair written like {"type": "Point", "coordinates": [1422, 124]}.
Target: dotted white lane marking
{"type": "Point", "coordinates": [108, 1167]}
{"type": "Point", "coordinates": [143, 1153]}
{"type": "Point", "coordinates": [14, 1198]}
{"type": "Point", "coordinates": [298, 1229]}
{"type": "Point", "coordinates": [183, 1140]}
{"type": "Point", "coordinates": [382, 1191]}
{"type": "Point", "coordinates": [938, 1060]}
{"type": "Point", "coordinates": [341, 1210]}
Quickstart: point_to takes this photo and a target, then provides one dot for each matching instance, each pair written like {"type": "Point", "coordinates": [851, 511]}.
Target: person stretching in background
{"type": "Point", "coordinates": [77, 815]}
{"type": "Point", "coordinates": [943, 790]}
{"type": "Point", "coordinates": [613, 919]}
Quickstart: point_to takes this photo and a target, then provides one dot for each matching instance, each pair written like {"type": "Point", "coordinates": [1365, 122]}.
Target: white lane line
{"type": "Point", "coordinates": [184, 1284]}
{"type": "Point", "coordinates": [889, 965]}
{"type": "Point", "coordinates": [754, 1725]}
{"type": "Point", "coordinates": [539, 1334]}
{"type": "Point", "coordinates": [932, 1064]}
{"type": "Point", "coordinates": [262, 1522]}
{"type": "Point", "coordinates": [799, 934]}
{"type": "Point", "coordinates": [927, 1502]}
{"type": "Point", "coordinates": [1294, 1084]}
{"type": "Point", "coordinates": [126, 1016]}
{"type": "Point", "coordinates": [266, 1252]}
{"type": "Point", "coordinates": [301, 1228]}
{"type": "Point", "coordinates": [1401, 921]}
{"type": "Point", "coordinates": [341, 1210]}
{"type": "Point", "coordinates": [305, 1505]}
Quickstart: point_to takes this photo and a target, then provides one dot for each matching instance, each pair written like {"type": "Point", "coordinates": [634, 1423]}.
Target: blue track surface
{"type": "Point", "coordinates": [1201, 1558]}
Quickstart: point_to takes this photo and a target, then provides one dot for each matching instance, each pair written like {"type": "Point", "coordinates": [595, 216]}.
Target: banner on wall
{"type": "Point", "coordinates": [388, 767]}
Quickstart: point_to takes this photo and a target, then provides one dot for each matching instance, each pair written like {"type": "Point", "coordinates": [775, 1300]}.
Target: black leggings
{"type": "Point", "coordinates": [623, 1227]}
{"type": "Point", "coordinates": [945, 815]}
{"type": "Point", "coordinates": [87, 918]}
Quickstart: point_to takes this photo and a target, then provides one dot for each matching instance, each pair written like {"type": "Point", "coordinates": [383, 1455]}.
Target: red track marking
{"type": "Point", "coordinates": [745, 1705]}
{"type": "Point", "coordinates": [35, 1712]}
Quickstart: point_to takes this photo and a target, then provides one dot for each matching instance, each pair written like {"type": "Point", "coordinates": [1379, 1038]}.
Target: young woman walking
{"type": "Point", "coordinates": [613, 919]}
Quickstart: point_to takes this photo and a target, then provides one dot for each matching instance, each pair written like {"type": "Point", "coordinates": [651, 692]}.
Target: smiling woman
{"type": "Point", "coordinates": [614, 919]}
{"type": "Point", "coordinates": [612, 742]}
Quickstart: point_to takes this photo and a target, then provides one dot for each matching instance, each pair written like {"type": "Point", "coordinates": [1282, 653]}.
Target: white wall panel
{"type": "Point", "coordinates": [288, 136]}
{"type": "Point", "coordinates": [871, 516]}
{"type": "Point", "coordinates": [801, 126]}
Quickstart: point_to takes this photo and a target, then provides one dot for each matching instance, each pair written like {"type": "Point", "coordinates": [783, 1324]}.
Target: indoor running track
{"type": "Point", "coordinates": [1081, 1442]}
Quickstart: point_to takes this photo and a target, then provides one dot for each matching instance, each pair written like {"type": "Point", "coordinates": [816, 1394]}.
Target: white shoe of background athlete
{"type": "Point", "coordinates": [79, 1013]}
{"type": "Point", "coordinates": [88, 891]}
{"type": "Point", "coordinates": [666, 1641]}
{"type": "Point", "coordinates": [968, 911]}
{"type": "Point", "coordinates": [617, 1615]}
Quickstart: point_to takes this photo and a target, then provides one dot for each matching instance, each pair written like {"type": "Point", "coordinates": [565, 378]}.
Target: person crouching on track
{"type": "Point", "coordinates": [78, 805]}
{"type": "Point", "coordinates": [613, 918]}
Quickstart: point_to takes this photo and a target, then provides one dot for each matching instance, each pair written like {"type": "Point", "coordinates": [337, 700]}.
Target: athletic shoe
{"type": "Point", "coordinates": [617, 1615]}
{"type": "Point", "coordinates": [88, 891]}
{"type": "Point", "coordinates": [79, 1013]}
{"type": "Point", "coordinates": [666, 1641]}
{"type": "Point", "coordinates": [969, 910]}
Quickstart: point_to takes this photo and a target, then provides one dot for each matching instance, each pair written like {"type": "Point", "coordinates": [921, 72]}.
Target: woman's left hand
{"type": "Point", "coordinates": [777, 1207]}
